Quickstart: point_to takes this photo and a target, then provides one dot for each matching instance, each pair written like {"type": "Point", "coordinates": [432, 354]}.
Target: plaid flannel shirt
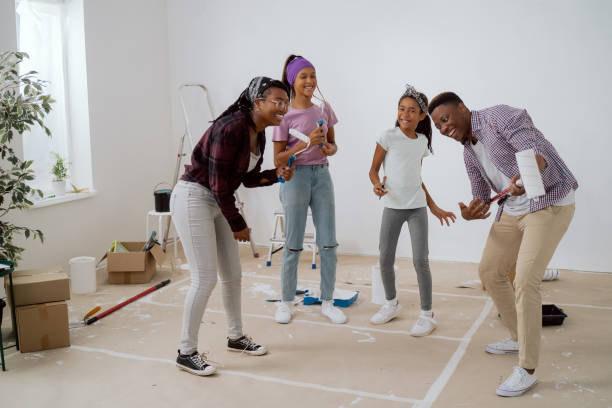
{"type": "Point", "coordinates": [503, 131]}
{"type": "Point", "coordinates": [220, 162]}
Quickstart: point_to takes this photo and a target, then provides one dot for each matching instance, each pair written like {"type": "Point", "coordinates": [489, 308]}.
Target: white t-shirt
{"type": "Point", "coordinates": [253, 161]}
{"type": "Point", "coordinates": [402, 166]}
{"type": "Point", "coordinates": [514, 205]}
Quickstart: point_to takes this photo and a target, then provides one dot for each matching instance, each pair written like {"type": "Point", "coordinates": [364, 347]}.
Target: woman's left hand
{"type": "Point", "coordinates": [285, 172]}
{"type": "Point", "coordinates": [328, 149]}
{"type": "Point", "coordinates": [442, 215]}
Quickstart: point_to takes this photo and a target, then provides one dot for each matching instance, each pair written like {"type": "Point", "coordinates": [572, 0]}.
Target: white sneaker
{"type": "Point", "coordinates": [424, 325]}
{"type": "Point", "coordinates": [388, 312]}
{"type": "Point", "coordinates": [517, 384]}
{"type": "Point", "coordinates": [333, 313]}
{"type": "Point", "coordinates": [506, 346]}
{"type": "Point", "coordinates": [283, 313]}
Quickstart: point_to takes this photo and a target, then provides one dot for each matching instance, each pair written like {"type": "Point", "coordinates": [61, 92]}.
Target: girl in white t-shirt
{"type": "Point", "coordinates": [401, 151]}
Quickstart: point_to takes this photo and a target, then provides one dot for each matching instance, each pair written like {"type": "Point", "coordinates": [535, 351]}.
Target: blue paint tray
{"type": "Point", "coordinates": [342, 298]}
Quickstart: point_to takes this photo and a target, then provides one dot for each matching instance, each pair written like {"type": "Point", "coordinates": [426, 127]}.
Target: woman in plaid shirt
{"type": "Point", "coordinates": [525, 231]}
{"type": "Point", "coordinates": [206, 218]}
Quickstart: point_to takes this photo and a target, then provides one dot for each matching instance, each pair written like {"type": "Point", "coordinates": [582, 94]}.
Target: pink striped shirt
{"type": "Point", "coordinates": [503, 131]}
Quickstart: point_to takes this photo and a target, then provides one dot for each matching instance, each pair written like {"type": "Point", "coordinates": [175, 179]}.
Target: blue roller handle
{"type": "Point", "coordinates": [320, 123]}
{"type": "Point", "coordinates": [291, 160]}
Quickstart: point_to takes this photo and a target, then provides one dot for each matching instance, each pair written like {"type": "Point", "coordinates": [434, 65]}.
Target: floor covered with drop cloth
{"type": "Point", "coordinates": [128, 357]}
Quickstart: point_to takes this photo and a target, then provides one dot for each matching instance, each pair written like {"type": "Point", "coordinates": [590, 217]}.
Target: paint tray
{"type": "Point", "coordinates": [552, 315]}
{"type": "Point", "coordinates": [342, 298]}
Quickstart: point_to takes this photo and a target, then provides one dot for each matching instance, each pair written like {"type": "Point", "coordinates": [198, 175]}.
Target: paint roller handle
{"type": "Point", "coordinates": [320, 123]}
{"type": "Point", "coordinates": [92, 312]}
{"type": "Point", "coordinates": [515, 180]}
{"type": "Point", "coordinates": [289, 163]}
{"type": "Point", "coordinates": [130, 300]}
{"type": "Point", "coordinates": [500, 194]}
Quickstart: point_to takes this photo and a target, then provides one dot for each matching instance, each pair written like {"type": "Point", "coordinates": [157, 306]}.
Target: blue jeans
{"type": "Point", "coordinates": [311, 186]}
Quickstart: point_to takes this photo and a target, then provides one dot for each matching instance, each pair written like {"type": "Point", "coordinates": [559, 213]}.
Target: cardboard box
{"type": "Point", "coordinates": [43, 326]}
{"type": "Point", "coordinates": [36, 286]}
{"type": "Point", "coordinates": [134, 266]}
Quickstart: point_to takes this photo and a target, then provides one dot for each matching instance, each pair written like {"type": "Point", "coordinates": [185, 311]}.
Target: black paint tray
{"type": "Point", "coordinates": [552, 315]}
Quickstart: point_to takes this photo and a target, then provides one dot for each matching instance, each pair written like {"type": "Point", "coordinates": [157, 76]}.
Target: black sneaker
{"type": "Point", "coordinates": [195, 364]}
{"type": "Point", "coordinates": [245, 344]}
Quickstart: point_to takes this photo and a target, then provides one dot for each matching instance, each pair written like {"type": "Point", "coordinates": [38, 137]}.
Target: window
{"type": "Point", "coordinates": [52, 33]}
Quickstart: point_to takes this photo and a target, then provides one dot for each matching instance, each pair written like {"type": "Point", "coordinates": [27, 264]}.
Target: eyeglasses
{"type": "Point", "coordinates": [280, 105]}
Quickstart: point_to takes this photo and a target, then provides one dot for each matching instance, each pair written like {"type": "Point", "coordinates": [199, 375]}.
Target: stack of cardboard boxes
{"type": "Point", "coordinates": [41, 308]}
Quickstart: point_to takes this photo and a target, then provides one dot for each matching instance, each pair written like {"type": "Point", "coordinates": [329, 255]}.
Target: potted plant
{"type": "Point", "coordinates": [22, 104]}
{"type": "Point", "coordinates": [60, 174]}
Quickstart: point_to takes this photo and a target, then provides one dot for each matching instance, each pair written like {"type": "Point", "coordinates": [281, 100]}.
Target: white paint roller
{"type": "Point", "coordinates": [302, 137]}
{"type": "Point", "coordinates": [530, 173]}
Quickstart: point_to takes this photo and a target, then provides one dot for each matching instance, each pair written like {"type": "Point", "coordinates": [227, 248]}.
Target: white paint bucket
{"type": "Point", "coordinates": [83, 274]}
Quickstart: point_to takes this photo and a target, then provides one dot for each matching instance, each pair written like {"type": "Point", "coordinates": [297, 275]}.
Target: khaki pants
{"type": "Point", "coordinates": [529, 241]}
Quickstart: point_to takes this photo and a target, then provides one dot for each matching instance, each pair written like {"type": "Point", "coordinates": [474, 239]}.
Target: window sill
{"type": "Point", "coordinates": [63, 199]}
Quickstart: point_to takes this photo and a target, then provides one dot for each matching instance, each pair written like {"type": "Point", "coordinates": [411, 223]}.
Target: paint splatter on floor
{"type": "Point", "coordinates": [262, 288]}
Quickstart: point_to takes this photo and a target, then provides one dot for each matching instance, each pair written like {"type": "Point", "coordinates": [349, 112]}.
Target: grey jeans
{"type": "Point", "coordinates": [392, 222]}
{"type": "Point", "coordinates": [209, 245]}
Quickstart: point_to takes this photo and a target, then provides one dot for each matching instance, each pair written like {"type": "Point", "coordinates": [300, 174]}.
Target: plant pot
{"type": "Point", "coordinates": [59, 188]}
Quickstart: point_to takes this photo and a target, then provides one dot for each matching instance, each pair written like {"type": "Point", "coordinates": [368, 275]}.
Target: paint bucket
{"type": "Point", "coordinates": [83, 274]}
{"type": "Point", "coordinates": [162, 198]}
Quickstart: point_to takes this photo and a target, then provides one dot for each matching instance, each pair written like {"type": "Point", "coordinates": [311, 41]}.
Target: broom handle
{"type": "Point", "coordinates": [127, 302]}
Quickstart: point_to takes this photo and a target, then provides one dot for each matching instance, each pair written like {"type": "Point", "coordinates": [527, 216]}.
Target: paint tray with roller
{"type": "Point", "coordinates": [342, 298]}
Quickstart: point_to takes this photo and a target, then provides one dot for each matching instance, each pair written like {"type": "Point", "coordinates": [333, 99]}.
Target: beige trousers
{"type": "Point", "coordinates": [529, 241]}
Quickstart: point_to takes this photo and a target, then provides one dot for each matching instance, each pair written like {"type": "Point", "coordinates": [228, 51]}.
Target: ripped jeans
{"type": "Point", "coordinates": [311, 186]}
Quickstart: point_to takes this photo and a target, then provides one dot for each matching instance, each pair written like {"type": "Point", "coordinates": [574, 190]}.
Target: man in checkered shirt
{"type": "Point", "coordinates": [525, 231]}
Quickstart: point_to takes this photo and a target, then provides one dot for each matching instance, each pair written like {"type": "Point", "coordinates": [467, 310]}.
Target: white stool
{"type": "Point", "coordinates": [277, 242]}
{"type": "Point", "coordinates": [160, 230]}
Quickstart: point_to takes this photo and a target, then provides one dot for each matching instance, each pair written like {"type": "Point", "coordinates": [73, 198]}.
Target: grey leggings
{"type": "Point", "coordinates": [392, 222]}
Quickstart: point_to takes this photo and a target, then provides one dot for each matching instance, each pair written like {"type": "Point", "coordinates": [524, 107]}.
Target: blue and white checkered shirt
{"type": "Point", "coordinates": [503, 131]}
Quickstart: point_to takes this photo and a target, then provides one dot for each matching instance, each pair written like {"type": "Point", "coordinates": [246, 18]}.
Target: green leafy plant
{"type": "Point", "coordinates": [60, 168]}
{"type": "Point", "coordinates": [23, 104]}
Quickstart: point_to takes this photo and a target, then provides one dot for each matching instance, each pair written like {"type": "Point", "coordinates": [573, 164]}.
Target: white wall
{"type": "Point", "coordinates": [551, 58]}
{"type": "Point", "coordinates": [129, 105]}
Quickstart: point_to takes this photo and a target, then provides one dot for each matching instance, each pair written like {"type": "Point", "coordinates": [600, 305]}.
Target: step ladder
{"type": "Point", "coordinates": [277, 242]}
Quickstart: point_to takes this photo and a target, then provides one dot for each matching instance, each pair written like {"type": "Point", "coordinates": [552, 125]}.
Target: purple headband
{"type": "Point", "coordinates": [294, 68]}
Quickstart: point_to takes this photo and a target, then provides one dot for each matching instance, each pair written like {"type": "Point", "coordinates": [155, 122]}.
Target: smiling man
{"type": "Point", "coordinates": [525, 231]}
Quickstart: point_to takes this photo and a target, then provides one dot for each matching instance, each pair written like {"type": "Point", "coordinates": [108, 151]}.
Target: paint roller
{"type": "Point", "coordinates": [303, 138]}
{"type": "Point", "coordinates": [127, 302]}
{"type": "Point", "coordinates": [531, 178]}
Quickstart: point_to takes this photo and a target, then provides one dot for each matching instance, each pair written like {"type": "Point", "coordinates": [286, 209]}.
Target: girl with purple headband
{"type": "Point", "coordinates": [311, 185]}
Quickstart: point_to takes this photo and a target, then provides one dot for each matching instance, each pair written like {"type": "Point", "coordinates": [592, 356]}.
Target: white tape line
{"type": "Point", "coordinates": [300, 384]}
{"type": "Point", "coordinates": [438, 386]}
